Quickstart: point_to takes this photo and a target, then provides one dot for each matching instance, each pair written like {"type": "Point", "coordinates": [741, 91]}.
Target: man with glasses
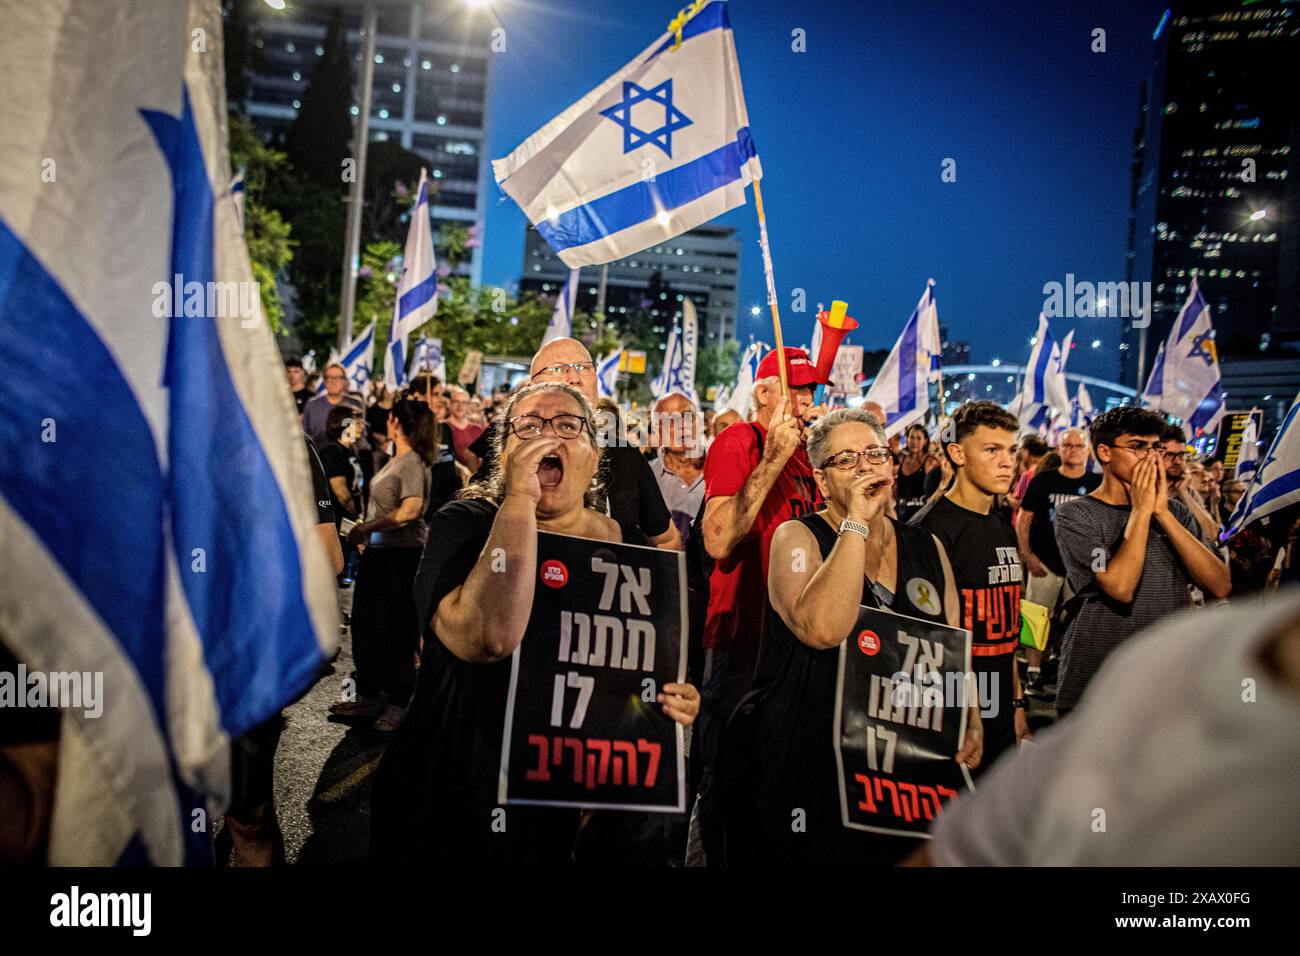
{"type": "Point", "coordinates": [632, 496]}
{"type": "Point", "coordinates": [464, 432]}
{"type": "Point", "coordinates": [1047, 491]}
{"type": "Point", "coordinates": [1129, 551]}
{"type": "Point", "coordinates": [1177, 459]}
{"type": "Point", "coordinates": [317, 410]}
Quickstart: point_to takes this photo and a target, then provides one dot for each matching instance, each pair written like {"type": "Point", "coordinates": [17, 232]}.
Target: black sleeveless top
{"type": "Point", "coordinates": [791, 715]}
{"type": "Point", "coordinates": [911, 492]}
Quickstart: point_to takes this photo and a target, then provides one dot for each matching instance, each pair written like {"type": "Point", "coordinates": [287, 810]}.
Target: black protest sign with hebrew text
{"type": "Point", "coordinates": [583, 728]}
{"type": "Point", "coordinates": [899, 721]}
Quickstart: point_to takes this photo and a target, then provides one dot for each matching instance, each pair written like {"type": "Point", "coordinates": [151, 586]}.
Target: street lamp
{"type": "Point", "coordinates": [754, 310]}
{"type": "Point", "coordinates": [1258, 214]}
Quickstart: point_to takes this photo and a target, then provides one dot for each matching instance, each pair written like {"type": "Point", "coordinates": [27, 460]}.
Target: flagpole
{"type": "Point", "coordinates": [771, 293]}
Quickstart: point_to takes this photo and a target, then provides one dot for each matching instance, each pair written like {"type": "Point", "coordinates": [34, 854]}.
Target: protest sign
{"type": "Point", "coordinates": [583, 727]}
{"type": "Point", "coordinates": [899, 720]}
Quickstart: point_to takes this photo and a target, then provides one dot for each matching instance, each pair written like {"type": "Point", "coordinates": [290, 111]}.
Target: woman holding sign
{"type": "Point", "coordinates": [781, 795]}
{"type": "Point", "coordinates": [436, 792]}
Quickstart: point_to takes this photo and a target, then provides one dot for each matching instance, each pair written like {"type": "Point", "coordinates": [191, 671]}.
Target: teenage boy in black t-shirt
{"type": "Point", "coordinates": [981, 444]}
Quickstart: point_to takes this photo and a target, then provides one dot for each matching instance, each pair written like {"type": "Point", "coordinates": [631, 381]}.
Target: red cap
{"type": "Point", "coordinates": [798, 366]}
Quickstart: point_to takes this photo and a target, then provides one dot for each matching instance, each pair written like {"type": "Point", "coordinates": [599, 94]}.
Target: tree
{"type": "Point", "coordinates": [717, 365]}
{"type": "Point", "coordinates": [270, 247]}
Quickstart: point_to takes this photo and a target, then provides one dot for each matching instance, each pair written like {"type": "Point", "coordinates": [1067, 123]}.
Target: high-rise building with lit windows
{"type": "Point", "coordinates": [702, 264]}
{"type": "Point", "coordinates": [1216, 190]}
{"type": "Point", "coordinates": [430, 91]}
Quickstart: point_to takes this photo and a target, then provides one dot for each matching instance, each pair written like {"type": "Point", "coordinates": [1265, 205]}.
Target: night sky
{"type": "Point", "coordinates": [852, 135]}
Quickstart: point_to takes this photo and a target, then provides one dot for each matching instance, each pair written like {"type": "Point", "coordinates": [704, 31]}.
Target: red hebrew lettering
{"type": "Point", "coordinates": [597, 773]}
{"type": "Point", "coordinates": [541, 772]}
{"type": "Point", "coordinates": [868, 804]}
{"type": "Point", "coordinates": [624, 753]}
{"type": "Point", "coordinates": [653, 749]}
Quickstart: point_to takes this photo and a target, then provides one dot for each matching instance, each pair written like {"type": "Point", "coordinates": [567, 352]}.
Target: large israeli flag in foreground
{"type": "Point", "coordinates": [901, 387]}
{"type": "Point", "coordinates": [157, 523]}
{"type": "Point", "coordinates": [417, 289]}
{"type": "Point", "coordinates": [660, 147]}
{"type": "Point", "coordinates": [1277, 480]}
{"type": "Point", "coordinates": [1190, 390]}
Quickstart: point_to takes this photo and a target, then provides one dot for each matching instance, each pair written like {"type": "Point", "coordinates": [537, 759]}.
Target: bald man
{"type": "Point", "coordinates": [679, 466]}
{"type": "Point", "coordinates": [632, 496]}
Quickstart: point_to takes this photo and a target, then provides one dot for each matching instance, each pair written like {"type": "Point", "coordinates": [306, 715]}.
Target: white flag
{"type": "Point", "coordinates": [417, 289]}
{"type": "Point", "coordinates": [660, 147]}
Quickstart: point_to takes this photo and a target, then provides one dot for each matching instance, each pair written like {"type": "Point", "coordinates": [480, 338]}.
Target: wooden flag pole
{"type": "Point", "coordinates": [771, 295]}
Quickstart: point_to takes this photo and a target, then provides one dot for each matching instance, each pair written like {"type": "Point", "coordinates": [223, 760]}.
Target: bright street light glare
{"type": "Point", "coordinates": [1258, 214]}
{"type": "Point", "coordinates": [1096, 343]}
{"type": "Point", "coordinates": [477, 3]}
{"type": "Point", "coordinates": [275, 4]}
{"type": "Point", "coordinates": [755, 310]}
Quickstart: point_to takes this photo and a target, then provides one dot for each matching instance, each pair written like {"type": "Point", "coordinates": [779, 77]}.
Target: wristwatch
{"type": "Point", "coordinates": [1020, 703]}
{"type": "Point", "coordinates": [857, 527]}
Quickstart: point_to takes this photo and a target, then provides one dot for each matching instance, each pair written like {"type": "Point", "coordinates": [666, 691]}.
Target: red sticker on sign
{"type": "Point", "coordinates": [869, 643]}
{"type": "Point", "coordinates": [554, 574]}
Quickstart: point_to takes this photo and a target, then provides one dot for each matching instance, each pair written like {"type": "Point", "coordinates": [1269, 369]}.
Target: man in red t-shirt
{"type": "Point", "coordinates": [756, 476]}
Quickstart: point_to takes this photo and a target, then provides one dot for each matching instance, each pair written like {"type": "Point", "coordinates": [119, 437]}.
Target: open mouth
{"type": "Point", "coordinates": [550, 471]}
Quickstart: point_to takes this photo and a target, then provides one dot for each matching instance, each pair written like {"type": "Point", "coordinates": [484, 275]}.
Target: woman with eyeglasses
{"type": "Point", "coordinates": [823, 567]}
{"type": "Point", "coordinates": [435, 794]}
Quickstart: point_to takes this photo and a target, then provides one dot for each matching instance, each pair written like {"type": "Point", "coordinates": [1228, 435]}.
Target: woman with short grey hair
{"type": "Point", "coordinates": [823, 567]}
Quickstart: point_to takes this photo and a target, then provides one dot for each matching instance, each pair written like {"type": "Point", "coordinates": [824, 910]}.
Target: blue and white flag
{"type": "Point", "coordinates": [132, 549]}
{"type": "Point", "coordinates": [561, 324]}
{"type": "Point", "coordinates": [1155, 387]}
{"type": "Point", "coordinates": [1044, 391]}
{"type": "Point", "coordinates": [427, 357]}
{"type": "Point", "coordinates": [660, 147]}
{"type": "Point", "coordinates": [417, 289]}
{"type": "Point", "coordinates": [678, 374]}
{"type": "Point", "coordinates": [1190, 389]}
{"type": "Point", "coordinates": [1277, 481]}
{"type": "Point", "coordinates": [607, 374]}
{"type": "Point", "coordinates": [1248, 456]}
{"type": "Point", "coordinates": [901, 387]}
{"type": "Point", "coordinates": [1081, 409]}
{"type": "Point", "coordinates": [359, 360]}
{"type": "Point", "coordinates": [741, 399]}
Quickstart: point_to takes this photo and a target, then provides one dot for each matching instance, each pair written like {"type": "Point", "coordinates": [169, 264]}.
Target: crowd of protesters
{"type": "Point", "coordinates": [1111, 529]}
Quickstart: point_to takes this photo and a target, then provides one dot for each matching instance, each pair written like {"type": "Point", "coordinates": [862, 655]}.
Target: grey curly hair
{"type": "Point", "coordinates": [493, 486]}
{"type": "Point", "coordinates": [819, 433]}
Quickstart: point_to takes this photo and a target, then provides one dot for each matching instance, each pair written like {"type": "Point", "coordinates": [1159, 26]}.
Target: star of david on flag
{"type": "Point", "coordinates": [621, 113]}
{"type": "Point", "coordinates": [1190, 388]}
{"type": "Point", "coordinates": [659, 148]}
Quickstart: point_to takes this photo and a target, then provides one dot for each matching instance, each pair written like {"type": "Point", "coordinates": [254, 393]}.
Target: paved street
{"type": "Point", "coordinates": [323, 771]}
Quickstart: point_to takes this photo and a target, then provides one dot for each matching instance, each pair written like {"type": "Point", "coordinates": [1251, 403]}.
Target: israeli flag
{"type": "Point", "coordinates": [741, 399]}
{"type": "Point", "coordinates": [417, 289]}
{"type": "Point", "coordinates": [359, 360]}
{"type": "Point", "coordinates": [678, 374]}
{"type": "Point", "coordinates": [901, 387]}
{"type": "Point", "coordinates": [607, 374]}
{"type": "Point", "coordinates": [1276, 483]}
{"type": "Point", "coordinates": [1081, 409]}
{"type": "Point", "coordinates": [1248, 456]}
{"type": "Point", "coordinates": [660, 147]}
{"type": "Point", "coordinates": [1155, 387]}
{"type": "Point", "coordinates": [1190, 389]}
{"type": "Point", "coordinates": [561, 324]}
{"type": "Point", "coordinates": [201, 594]}
{"type": "Point", "coordinates": [427, 356]}
{"type": "Point", "coordinates": [1044, 389]}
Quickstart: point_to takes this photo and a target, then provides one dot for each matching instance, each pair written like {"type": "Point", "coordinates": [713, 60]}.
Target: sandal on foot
{"type": "Point", "coordinates": [390, 719]}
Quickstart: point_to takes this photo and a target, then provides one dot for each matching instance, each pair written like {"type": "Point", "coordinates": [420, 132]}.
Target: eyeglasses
{"type": "Point", "coordinates": [529, 427]}
{"type": "Point", "coordinates": [1185, 455]}
{"type": "Point", "coordinates": [336, 378]}
{"type": "Point", "coordinates": [580, 367]}
{"type": "Point", "coordinates": [843, 461]}
{"type": "Point", "coordinates": [1139, 451]}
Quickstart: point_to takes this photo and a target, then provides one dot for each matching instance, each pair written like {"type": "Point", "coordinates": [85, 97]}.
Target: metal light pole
{"type": "Point", "coordinates": [356, 193]}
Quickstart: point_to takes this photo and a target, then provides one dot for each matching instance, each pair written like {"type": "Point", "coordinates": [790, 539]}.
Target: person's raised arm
{"type": "Point", "coordinates": [1024, 519]}
{"type": "Point", "coordinates": [1121, 572]}
{"type": "Point", "coordinates": [727, 520]}
{"type": "Point", "coordinates": [1203, 566]}
{"type": "Point", "coordinates": [819, 600]}
{"type": "Point", "coordinates": [484, 619]}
